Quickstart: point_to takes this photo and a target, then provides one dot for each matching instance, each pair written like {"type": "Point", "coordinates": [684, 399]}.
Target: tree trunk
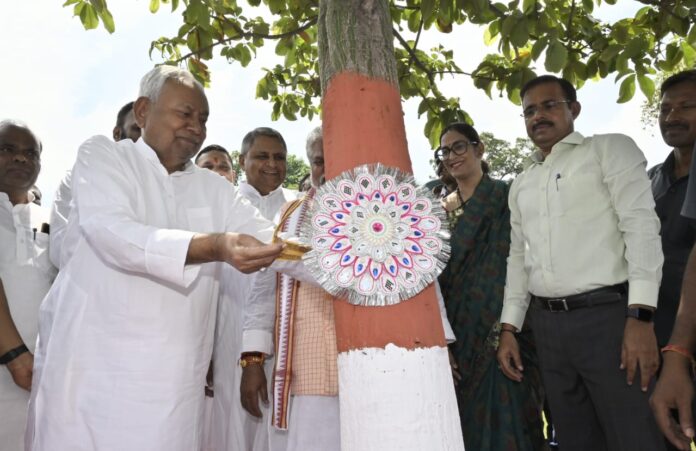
{"type": "Point", "coordinates": [395, 384]}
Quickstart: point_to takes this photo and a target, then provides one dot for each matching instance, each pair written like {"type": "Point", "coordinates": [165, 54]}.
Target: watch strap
{"type": "Point", "coordinates": [13, 354]}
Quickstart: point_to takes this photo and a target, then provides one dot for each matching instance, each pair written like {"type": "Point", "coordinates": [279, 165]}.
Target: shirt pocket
{"type": "Point", "coordinates": [41, 257]}
{"type": "Point", "coordinates": [200, 219]}
{"type": "Point", "coordinates": [581, 195]}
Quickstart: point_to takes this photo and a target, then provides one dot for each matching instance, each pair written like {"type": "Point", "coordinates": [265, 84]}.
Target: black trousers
{"type": "Point", "coordinates": [593, 407]}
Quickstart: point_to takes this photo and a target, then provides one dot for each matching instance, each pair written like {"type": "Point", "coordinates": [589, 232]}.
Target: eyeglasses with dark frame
{"type": "Point", "coordinates": [544, 107]}
{"type": "Point", "coordinates": [457, 148]}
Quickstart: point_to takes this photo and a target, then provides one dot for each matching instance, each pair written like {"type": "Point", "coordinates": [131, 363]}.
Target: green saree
{"type": "Point", "coordinates": [497, 414]}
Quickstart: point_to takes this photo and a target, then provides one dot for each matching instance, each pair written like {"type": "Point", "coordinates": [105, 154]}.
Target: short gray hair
{"type": "Point", "coordinates": [152, 82]}
{"type": "Point", "coordinates": [314, 136]}
{"type": "Point", "coordinates": [19, 124]}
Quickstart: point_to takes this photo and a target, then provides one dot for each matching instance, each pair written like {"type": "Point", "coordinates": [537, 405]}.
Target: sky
{"type": "Point", "coordinates": [67, 84]}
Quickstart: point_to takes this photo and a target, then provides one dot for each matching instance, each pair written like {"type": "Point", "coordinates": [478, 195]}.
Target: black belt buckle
{"type": "Point", "coordinates": [557, 305]}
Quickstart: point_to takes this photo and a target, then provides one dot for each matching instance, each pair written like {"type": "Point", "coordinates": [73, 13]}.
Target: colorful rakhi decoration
{"type": "Point", "coordinates": [376, 237]}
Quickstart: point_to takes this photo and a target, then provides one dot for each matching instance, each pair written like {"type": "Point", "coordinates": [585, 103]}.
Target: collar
{"type": "Point", "coordinates": [570, 141]}
{"type": "Point", "coordinates": [247, 190]}
{"type": "Point", "coordinates": [667, 167]}
{"type": "Point", "coordinates": [150, 155]}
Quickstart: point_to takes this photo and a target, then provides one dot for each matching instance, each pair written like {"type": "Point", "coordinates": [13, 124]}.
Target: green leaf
{"type": "Point", "coordinates": [88, 17]}
{"type": "Point", "coordinates": [520, 34]}
{"type": "Point", "coordinates": [610, 52]}
{"type": "Point", "coordinates": [537, 48]}
{"type": "Point", "coordinates": [528, 6]}
{"type": "Point", "coordinates": [108, 20]}
{"type": "Point", "coordinates": [588, 5]}
{"type": "Point", "coordinates": [71, 2]}
{"type": "Point", "coordinates": [627, 89]}
{"type": "Point", "coordinates": [647, 85]}
{"type": "Point", "coordinates": [691, 37]}
{"type": "Point", "coordinates": [427, 9]}
{"type": "Point", "coordinates": [556, 57]}
{"type": "Point", "coordinates": [154, 6]}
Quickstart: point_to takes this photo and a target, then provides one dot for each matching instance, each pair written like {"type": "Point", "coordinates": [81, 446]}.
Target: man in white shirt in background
{"type": "Point", "coordinates": [26, 274]}
{"type": "Point", "coordinates": [126, 331]}
{"type": "Point", "coordinates": [585, 258]}
{"type": "Point", "coordinates": [125, 128]}
{"type": "Point", "coordinates": [263, 158]}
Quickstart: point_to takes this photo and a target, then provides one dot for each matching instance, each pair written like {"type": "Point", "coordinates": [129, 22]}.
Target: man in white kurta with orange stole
{"type": "Point", "coordinates": [126, 331]}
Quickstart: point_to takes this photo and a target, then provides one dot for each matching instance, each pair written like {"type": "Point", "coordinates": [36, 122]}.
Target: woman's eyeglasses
{"type": "Point", "coordinates": [457, 148]}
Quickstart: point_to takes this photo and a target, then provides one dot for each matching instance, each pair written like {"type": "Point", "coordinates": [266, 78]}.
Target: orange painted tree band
{"type": "Point", "coordinates": [363, 123]}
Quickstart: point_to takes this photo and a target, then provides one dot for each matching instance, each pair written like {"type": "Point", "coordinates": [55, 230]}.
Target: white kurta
{"type": "Point", "coordinates": [27, 274]}
{"type": "Point", "coordinates": [60, 211]}
{"type": "Point", "coordinates": [126, 331]}
{"type": "Point", "coordinates": [233, 428]}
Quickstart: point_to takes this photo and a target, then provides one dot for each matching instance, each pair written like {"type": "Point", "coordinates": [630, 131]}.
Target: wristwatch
{"type": "Point", "coordinates": [640, 313]}
{"type": "Point", "coordinates": [13, 354]}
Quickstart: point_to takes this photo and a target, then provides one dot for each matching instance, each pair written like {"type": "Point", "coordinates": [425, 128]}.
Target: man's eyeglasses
{"type": "Point", "coordinates": [544, 107]}
{"type": "Point", "coordinates": [457, 148]}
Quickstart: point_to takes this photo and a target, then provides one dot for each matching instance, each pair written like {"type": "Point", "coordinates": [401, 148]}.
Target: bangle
{"type": "Point", "coordinates": [681, 351]}
{"type": "Point", "coordinates": [246, 360]}
{"type": "Point", "coordinates": [13, 354]}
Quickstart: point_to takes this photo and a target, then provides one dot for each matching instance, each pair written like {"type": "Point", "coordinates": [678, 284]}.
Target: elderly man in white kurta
{"type": "Point", "coordinates": [26, 275]}
{"type": "Point", "coordinates": [126, 331]}
{"type": "Point", "coordinates": [263, 158]}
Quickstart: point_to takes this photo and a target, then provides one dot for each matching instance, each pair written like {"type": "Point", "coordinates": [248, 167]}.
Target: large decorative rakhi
{"type": "Point", "coordinates": [377, 239]}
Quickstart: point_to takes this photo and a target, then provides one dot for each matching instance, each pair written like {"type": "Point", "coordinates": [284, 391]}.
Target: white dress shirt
{"type": "Point", "coordinates": [270, 204]}
{"type": "Point", "coordinates": [126, 331]}
{"type": "Point", "coordinates": [583, 218]}
{"type": "Point", "coordinates": [27, 274]}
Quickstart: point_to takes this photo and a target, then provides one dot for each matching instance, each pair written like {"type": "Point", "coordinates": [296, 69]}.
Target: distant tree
{"type": "Point", "coordinates": [235, 164]}
{"type": "Point", "coordinates": [297, 169]}
{"type": "Point", "coordinates": [506, 160]}
{"type": "Point", "coordinates": [650, 110]}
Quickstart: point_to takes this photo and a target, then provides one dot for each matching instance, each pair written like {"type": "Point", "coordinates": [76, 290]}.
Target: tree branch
{"type": "Point", "coordinates": [248, 35]}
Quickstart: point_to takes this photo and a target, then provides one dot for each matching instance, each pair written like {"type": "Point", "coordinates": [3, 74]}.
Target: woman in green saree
{"type": "Point", "coordinates": [497, 414]}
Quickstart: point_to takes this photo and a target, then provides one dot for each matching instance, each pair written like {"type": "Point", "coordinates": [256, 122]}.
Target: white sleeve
{"type": "Point", "coordinates": [623, 168]}
{"type": "Point", "coordinates": [259, 314]}
{"type": "Point", "coordinates": [516, 298]}
{"type": "Point", "coordinates": [105, 198]}
{"type": "Point", "coordinates": [243, 217]}
{"type": "Point", "coordinates": [449, 333]}
{"type": "Point", "coordinates": [59, 219]}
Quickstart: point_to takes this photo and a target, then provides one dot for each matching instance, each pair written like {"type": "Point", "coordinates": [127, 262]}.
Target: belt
{"type": "Point", "coordinates": [599, 296]}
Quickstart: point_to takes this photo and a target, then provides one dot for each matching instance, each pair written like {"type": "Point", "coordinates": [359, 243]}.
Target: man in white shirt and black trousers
{"type": "Point", "coordinates": [585, 259]}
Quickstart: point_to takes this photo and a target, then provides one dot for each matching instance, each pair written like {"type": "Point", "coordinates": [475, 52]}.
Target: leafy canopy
{"type": "Point", "coordinates": [527, 36]}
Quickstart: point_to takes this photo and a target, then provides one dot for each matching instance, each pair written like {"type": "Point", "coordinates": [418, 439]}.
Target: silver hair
{"type": "Point", "coordinates": [19, 124]}
{"type": "Point", "coordinates": [314, 136]}
{"type": "Point", "coordinates": [152, 82]}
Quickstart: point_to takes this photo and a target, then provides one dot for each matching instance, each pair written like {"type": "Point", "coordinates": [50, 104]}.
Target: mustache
{"type": "Point", "coordinates": [542, 122]}
{"type": "Point", "coordinates": [676, 125]}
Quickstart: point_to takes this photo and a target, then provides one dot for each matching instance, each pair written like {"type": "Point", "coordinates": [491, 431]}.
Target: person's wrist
{"type": "Point", "coordinates": [505, 327]}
